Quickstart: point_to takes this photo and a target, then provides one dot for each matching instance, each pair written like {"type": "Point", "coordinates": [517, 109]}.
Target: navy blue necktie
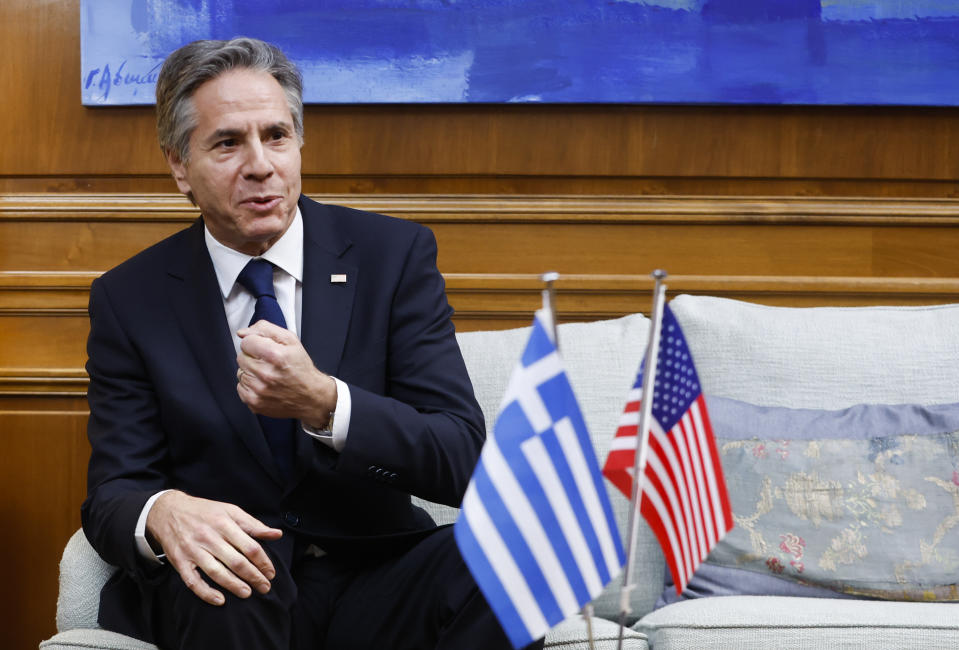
{"type": "Point", "coordinates": [257, 278]}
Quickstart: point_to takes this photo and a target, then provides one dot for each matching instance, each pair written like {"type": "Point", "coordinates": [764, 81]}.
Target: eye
{"type": "Point", "coordinates": [226, 143]}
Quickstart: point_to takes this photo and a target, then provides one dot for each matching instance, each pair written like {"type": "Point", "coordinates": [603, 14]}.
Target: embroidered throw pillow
{"type": "Point", "coordinates": [859, 502]}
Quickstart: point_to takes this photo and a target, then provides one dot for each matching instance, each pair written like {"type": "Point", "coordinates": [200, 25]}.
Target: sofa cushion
{"type": "Point", "coordinates": [822, 357]}
{"type": "Point", "coordinates": [784, 623]}
{"type": "Point", "coordinates": [860, 501]}
{"type": "Point", "coordinates": [94, 640]}
{"type": "Point", "coordinates": [572, 634]}
{"type": "Point", "coordinates": [83, 573]}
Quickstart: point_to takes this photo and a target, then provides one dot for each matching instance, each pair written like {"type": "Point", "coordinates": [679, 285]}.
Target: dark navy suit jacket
{"type": "Point", "coordinates": [164, 412]}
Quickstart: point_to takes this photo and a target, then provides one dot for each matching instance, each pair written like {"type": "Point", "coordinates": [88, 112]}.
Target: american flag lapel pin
{"type": "Point", "coordinates": [338, 278]}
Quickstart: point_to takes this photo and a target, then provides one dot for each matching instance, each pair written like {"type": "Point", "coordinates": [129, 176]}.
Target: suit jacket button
{"type": "Point", "coordinates": [291, 518]}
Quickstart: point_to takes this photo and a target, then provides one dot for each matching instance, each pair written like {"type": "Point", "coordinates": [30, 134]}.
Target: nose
{"type": "Point", "coordinates": [257, 164]}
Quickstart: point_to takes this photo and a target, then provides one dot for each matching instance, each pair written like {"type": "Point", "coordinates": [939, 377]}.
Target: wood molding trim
{"type": "Point", "coordinates": [473, 208]}
{"type": "Point", "coordinates": [512, 298]}
{"type": "Point", "coordinates": [744, 286]}
{"type": "Point", "coordinates": [58, 294]}
{"type": "Point", "coordinates": [43, 382]}
{"type": "Point", "coordinates": [898, 252]}
{"type": "Point", "coordinates": [496, 301]}
{"type": "Point", "coordinates": [44, 293]}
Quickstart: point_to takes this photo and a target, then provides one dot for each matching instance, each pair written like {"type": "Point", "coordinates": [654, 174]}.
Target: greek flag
{"type": "Point", "coordinates": [537, 528]}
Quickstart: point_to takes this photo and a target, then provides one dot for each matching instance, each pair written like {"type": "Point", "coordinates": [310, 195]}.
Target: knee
{"type": "Point", "coordinates": [182, 620]}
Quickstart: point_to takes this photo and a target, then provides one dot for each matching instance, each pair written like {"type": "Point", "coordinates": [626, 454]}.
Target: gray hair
{"type": "Point", "coordinates": [192, 65]}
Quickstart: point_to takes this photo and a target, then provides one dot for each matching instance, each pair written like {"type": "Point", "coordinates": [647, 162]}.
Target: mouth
{"type": "Point", "coordinates": [262, 203]}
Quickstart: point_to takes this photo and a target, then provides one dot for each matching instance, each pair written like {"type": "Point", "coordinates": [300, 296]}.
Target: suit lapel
{"type": "Point", "coordinates": [198, 305]}
{"type": "Point", "coordinates": [329, 283]}
{"type": "Point", "coordinates": [327, 302]}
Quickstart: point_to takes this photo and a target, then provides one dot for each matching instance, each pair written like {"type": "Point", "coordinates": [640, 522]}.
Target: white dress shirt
{"type": "Point", "coordinates": [286, 255]}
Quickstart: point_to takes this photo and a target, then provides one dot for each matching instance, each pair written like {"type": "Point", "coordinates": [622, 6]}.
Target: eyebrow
{"type": "Point", "coordinates": [224, 133]}
{"type": "Point", "coordinates": [234, 133]}
{"type": "Point", "coordinates": [282, 126]}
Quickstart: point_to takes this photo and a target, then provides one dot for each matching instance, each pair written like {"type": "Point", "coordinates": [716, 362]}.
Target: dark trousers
{"type": "Point", "coordinates": [425, 598]}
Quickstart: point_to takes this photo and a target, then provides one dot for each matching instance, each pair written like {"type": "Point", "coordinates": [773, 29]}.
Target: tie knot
{"type": "Point", "coordinates": [257, 277]}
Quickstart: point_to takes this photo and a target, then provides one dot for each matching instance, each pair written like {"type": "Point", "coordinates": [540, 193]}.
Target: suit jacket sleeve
{"type": "Point", "coordinates": [423, 434]}
{"type": "Point", "coordinates": [128, 451]}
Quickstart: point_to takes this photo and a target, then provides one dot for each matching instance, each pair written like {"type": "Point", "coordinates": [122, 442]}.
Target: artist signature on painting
{"type": "Point", "coordinates": [104, 79]}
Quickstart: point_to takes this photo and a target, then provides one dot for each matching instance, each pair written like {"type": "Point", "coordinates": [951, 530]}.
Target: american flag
{"type": "Point", "coordinates": [537, 529]}
{"type": "Point", "coordinates": [683, 498]}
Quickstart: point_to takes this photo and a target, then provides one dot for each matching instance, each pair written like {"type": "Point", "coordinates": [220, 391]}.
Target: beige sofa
{"type": "Point", "coordinates": [816, 358]}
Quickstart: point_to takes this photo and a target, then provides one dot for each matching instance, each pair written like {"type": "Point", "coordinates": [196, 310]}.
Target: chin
{"type": "Point", "coordinates": [272, 222]}
{"type": "Point", "coordinates": [266, 230]}
{"type": "Point", "coordinates": [261, 236]}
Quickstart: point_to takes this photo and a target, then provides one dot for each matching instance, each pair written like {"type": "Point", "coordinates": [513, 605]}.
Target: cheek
{"type": "Point", "coordinates": [218, 189]}
{"type": "Point", "coordinates": [291, 167]}
{"type": "Point", "coordinates": [215, 198]}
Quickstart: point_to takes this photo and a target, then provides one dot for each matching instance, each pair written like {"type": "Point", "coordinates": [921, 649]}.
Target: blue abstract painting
{"type": "Point", "coordinates": [556, 51]}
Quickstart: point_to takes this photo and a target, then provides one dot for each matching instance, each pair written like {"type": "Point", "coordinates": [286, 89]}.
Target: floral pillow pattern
{"type": "Point", "coordinates": [874, 517]}
{"type": "Point", "coordinates": [859, 502]}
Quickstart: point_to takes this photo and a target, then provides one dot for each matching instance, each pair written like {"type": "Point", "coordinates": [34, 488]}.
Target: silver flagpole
{"type": "Point", "coordinates": [549, 301]}
{"type": "Point", "coordinates": [549, 304]}
{"type": "Point", "coordinates": [639, 466]}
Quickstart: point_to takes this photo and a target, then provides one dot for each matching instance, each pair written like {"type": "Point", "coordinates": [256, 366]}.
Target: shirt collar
{"type": "Point", "coordinates": [286, 253]}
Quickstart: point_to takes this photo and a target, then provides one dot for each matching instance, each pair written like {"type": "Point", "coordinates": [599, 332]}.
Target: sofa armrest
{"type": "Point", "coordinates": [82, 574]}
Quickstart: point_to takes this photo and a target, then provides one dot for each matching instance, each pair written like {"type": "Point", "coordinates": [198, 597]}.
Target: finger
{"type": "Point", "coordinates": [255, 359]}
{"type": "Point", "coordinates": [236, 563]}
{"type": "Point", "coordinates": [190, 560]}
{"type": "Point", "coordinates": [265, 359]}
{"type": "Point", "coordinates": [249, 378]}
{"type": "Point", "coordinates": [255, 346]}
{"type": "Point", "coordinates": [266, 329]}
{"type": "Point", "coordinates": [247, 396]}
{"type": "Point", "coordinates": [249, 367]}
{"type": "Point", "coordinates": [252, 391]}
{"type": "Point", "coordinates": [194, 581]}
{"type": "Point", "coordinates": [252, 529]}
{"type": "Point", "coordinates": [219, 573]}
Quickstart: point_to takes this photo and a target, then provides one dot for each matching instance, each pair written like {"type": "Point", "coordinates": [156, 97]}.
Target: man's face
{"type": "Point", "coordinates": [244, 166]}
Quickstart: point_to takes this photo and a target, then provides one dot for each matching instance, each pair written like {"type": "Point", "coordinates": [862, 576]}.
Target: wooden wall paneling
{"type": "Point", "coordinates": [79, 246]}
{"type": "Point", "coordinates": [82, 233]}
{"type": "Point", "coordinates": [43, 330]}
{"type": "Point", "coordinates": [776, 239]}
{"type": "Point", "coordinates": [40, 342]}
{"type": "Point", "coordinates": [799, 251]}
{"type": "Point", "coordinates": [499, 302]}
{"type": "Point", "coordinates": [42, 483]}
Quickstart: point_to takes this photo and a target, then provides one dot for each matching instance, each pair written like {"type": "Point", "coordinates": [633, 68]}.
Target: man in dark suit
{"type": "Point", "coordinates": [267, 389]}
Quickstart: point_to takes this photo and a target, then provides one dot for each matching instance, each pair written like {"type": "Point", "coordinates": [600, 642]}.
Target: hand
{"type": "Point", "coordinates": [276, 376]}
{"type": "Point", "coordinates": [218, 538]}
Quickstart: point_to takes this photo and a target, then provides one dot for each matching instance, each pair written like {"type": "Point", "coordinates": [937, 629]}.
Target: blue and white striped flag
{"type": "Point", "coordinates": [537, 528]}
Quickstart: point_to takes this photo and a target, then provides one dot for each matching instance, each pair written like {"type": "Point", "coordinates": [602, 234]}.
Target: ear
{"type": "Point", "coordinates": [178, 167]}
